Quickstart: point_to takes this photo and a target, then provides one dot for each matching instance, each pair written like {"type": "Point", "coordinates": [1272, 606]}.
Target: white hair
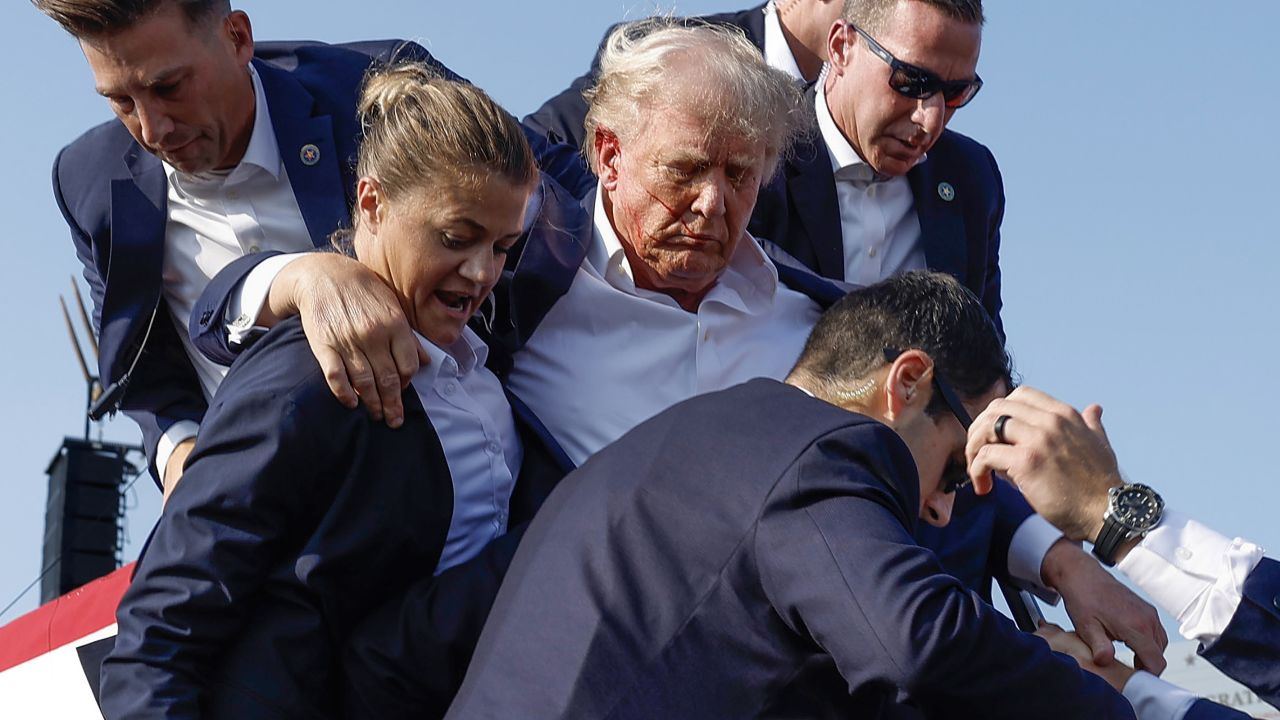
{"type": "Point", "coordinates": [711, 67]}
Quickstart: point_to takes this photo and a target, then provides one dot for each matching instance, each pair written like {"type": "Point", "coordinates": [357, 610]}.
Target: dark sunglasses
{"type": "Point", "coordinates": [917, 83]}
{"type": "Point", "coordinates": [955, 475]}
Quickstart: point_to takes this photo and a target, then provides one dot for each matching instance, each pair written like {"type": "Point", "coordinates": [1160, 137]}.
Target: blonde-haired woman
{"type": "Point", "coordinates": [297, 515]}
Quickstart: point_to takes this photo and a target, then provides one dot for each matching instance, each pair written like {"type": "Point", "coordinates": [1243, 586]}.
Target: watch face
{"type": "Point", "coordinates": [1136, 507]}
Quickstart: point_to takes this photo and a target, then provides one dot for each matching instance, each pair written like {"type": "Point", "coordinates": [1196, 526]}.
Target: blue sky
{"type": "Point", "coordinates": [1139, 251]}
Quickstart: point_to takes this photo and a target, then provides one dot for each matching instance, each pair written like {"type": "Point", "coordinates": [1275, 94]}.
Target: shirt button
{"type": "Point", "coordinates": [253, 249]}
{"type": "Point", "coordinates": [872, 251]}
{"type": "Point", "coordinates": [1276, 601]}
{"type": "Point", "coordinates": [233, 194]}
{"type": "Point", "coordinates": [449, 388]}
{"type": "Point", "coordinates": [493, 448]}
{"type": "Point", "coordinates": [1183, 554]}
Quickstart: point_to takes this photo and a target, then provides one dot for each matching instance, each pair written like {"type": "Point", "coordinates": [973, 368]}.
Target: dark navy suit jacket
{"type": "Point", "coordinates": [713, 561]}
{"type": "Point", "coordinates": [799, 211]}
{"type": "Point", "coordinates": [561, 117]}
{"type": "Point", "coordinates": [297, 517]}
{"type": "Point", "coordinates": [112, 194]}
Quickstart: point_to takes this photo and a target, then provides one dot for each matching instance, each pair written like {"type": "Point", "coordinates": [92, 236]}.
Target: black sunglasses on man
{"type": "Point", "coordinates": [917, 83]}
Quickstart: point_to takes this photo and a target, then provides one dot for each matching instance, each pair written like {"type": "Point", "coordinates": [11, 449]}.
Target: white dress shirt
{"type": "Point", "coordinates": [469, 411]}
{"type": "Point", "coordinates": [878, 222]}
{"type": "Point", "coordinates": [777, 53]}
{"type": "Point", "coordinates": [1192, 572]}
{"type": "Point", "coordinates": [1197, 575]}
{"type": "Point", "coordinates": [214, 218]}
{"type": "Point", "coordinates": [610, 355]}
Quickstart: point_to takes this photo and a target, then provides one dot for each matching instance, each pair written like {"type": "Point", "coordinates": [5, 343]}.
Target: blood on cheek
{"type": "Point", "coordinates": [678, 217]}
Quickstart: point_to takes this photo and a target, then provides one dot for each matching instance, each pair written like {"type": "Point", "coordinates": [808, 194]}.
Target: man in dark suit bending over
{"type": "Point", "coordinates": [719, 559]}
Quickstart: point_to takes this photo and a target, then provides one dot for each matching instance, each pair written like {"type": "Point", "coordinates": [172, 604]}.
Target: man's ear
{"type": "Point", "coordinates": [608, 155]}
{"type": "Point", "coordinates": [370, 204]}
{"type": "Point", "coordinates": [905, 384]}
{"type": "Point", "coordinates": [240, 32]}
{"type": "Point", "coordinates": [935, 508]}
{"type": "Point", "coordinates": [839, 46]}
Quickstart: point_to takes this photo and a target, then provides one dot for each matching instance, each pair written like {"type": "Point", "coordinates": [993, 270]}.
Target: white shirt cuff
{"type": "Point", "coordinates": [1030, 543]}
{"type": "Point", "coordinates": [1156, 699]}
{"type": "Point", "coordinates": [177, 432]}
{"type": "Point", "coordinates": [1192, 572]}
{"type": "Point", "coordinates": [250, 294]}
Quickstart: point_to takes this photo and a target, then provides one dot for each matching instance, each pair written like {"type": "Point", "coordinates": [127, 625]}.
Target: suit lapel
{"type": "Point", "coordinates": [941, 225]}
{"type": "Point", "coordinates": [811, 188]}
{"type": "Point", "coordinates": [134, 275]}
{"type": "Point", "coordinates": [309, 153]}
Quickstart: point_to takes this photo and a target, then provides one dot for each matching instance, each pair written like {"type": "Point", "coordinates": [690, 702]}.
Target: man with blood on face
{"type": "Point", "coordinates": [679, 195]}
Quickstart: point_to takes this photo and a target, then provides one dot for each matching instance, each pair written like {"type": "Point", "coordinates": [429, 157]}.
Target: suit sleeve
{"type": "Point", "coordinates": [164, 389]}
{"type": "Point", "coordinates": [840, 566]}
{"type": "Point", "coordinates": [1249, 649]}
{"type": "Point", "coordinates": [562, 163]}
{"type": "Point", "coordinates": [237, 512]}
{"type": "Point", "coordinates": [208, 325]}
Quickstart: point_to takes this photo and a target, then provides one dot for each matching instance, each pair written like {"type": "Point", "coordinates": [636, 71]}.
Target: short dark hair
{"type": "Point", "coordinates": [91, 18]}
{"type": "Point", "coordinates": [870, 15]}
{"type": "Point", "coordinates": [920, 310]}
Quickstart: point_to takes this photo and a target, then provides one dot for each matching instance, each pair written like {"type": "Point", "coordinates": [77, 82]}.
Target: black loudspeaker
{"type": "Point", "coordinates": [83, 537]}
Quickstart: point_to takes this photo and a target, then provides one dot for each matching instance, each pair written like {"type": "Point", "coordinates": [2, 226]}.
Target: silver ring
{"type": "Point", "coordinates": [999, 428]}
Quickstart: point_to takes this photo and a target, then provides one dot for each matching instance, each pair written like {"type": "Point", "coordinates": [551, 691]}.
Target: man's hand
{"type": "Point", "coordinates": [1060, 459]}
{"type": "Point", "coordinates": [1102, 609]}
{"type": "Point", "coordinates": [1116, 674]}
{"type": "Point", "coordinates": [356, 329]}
{"type": "Point", "coordinates": [173, 468]}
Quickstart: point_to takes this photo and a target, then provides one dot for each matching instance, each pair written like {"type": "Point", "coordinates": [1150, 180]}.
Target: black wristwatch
{"type": "Point", "coordinates": [1133, 509]}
